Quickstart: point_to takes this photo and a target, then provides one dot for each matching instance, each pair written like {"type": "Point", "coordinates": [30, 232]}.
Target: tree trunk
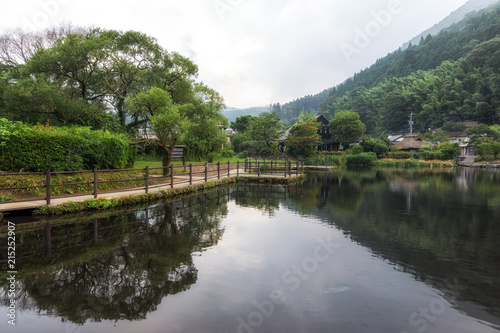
{"type": "Point", "coordinates": [167, 159]}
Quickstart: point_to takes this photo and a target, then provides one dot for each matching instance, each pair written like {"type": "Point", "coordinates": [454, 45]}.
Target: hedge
{"type": "Point", "coordinates": [402, 155]}
{"type": "Point", "coordinates": [361, 160]}
{"type": "Point", "coordinates": [34, 149]}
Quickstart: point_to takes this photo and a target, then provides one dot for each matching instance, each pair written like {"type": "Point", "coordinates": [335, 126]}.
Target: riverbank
{"type": "Point", "coordinates": [489, 165]}
{"type": "Point", "coordinates": [110, 200]}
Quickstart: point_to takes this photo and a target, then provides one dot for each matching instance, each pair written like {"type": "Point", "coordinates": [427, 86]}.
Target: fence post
{"type": "Point", "coordinates": [258, 168]}
{"type": "Point", "coordinates": [146, 180]}
{"type": "Point", "coordinates": [218, 170]}
{"type": "Point", "coordinates": [95, 183]}
{"type": "Point", "coordinates": [297, 170]}
{"type": "Point", "coordinates": [171, 176]}
{"type": "Point", "coordinates": [271, 167]}
{"type": "Point", "coordinates": [47, 185]}
{"type": "Point", "coordinates": [190, 173]}
{"type": "Point", "coordinates": [284, 167]}
{"type": "Point", "coordinates": [290, 169]}
{"type": "Point", "coordinates": [206, 173]}
{"type": "Point", "coordinates": [249, 166]}
{"type": "Point", "coordinates": [237, 168]}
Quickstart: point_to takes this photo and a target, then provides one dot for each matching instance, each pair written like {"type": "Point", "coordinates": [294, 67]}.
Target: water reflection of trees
{"type": "Point", "coordinates": [128, 280]}
{"type": "Point", "coordinates": [265, 198]}
{"type": "Point", "coordinates": [440, 227]}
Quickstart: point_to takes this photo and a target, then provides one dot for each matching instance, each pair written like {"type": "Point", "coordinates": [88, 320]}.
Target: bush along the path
{"type": "Point", "coordinates": [37, 148]}
{"type": "Point", "coordinates": [360, 160]}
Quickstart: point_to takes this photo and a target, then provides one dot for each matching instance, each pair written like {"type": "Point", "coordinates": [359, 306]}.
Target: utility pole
{"type": "Point", "coordinates": [411, 122]}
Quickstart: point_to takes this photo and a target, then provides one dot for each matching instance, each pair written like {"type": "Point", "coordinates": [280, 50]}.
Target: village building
{"type": "Point", "coordinates": [460, 137]}
{"type": "Point", "coordinates": [324, 132]}
{"type": "Point", "coordinates": [412, 143]}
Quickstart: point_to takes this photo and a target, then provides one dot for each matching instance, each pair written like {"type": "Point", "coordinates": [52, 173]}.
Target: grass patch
{"type": "Point", "coordinates": [102, 203]}
{"type": "Point", "coordinates": [412, 163]}
{"type": "Point", "coordinates": [142, 162]}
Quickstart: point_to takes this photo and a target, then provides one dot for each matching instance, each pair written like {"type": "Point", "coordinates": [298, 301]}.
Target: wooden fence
{"type": "Point", "coordinates": [273, 167]}
{"type": "Point", "coordinates": [47, 184]}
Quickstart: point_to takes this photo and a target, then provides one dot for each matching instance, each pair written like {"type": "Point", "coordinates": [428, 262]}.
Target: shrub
{"type": "Point", "coordinates": [488, 148]}
{"type": "Point", "coordinates": [444, 151]}
{"type": "Point", "coordinates": [228, 153]}
{"type": "Point", "coordinates": [376, 146]}
{"type": "Point", "coordinates": [401, 155]}
{"type": "Point", "coordinates": [361, 160]}
{"type": "Point", "coordinates": [264, 168]}
{"type": "Point", "coordinates": [37, 148]}
{"type": "Point", "coordinates": [211, 157]}
{"type": "Point", "coordinates": [355, 150]}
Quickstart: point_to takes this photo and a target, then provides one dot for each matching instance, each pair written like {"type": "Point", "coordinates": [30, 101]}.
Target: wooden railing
{"type": "Point", "coordinates": [49, 185]}
{"type": "Point", "coordinates": [45, 184]}
{"type": "Point", "coordinates": [273, 167]}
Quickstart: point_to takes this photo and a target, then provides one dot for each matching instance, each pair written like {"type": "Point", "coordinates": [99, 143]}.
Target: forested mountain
{"type": "Point", "coordinates": [453, 76]}
{"type": "Point", "coordinates": [470, 8]}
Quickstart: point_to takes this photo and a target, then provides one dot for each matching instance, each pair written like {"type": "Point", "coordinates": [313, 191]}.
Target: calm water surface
{"type": "Point", "coordinates": [370, 251]}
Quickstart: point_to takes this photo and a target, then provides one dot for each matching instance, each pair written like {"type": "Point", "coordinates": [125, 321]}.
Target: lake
{"type": "Point", "coordinates": [351, 251]}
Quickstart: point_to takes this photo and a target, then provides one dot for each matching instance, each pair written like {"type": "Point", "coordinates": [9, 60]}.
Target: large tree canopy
{"type": "Point", "coordinates": [94, 67]}
{"type": "Point", "coordinates": [260, 137]}
{"type": "Point", "coordinates": [347, 128]}
{"type": "Point", "coordinates": [112, 80]}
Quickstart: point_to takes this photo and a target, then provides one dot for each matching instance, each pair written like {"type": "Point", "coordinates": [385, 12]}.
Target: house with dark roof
{"type": "Point", "coordinates": [324, 132]}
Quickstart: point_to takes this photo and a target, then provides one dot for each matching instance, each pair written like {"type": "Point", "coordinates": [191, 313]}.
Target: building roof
{"type": "Point", "coordinates": [469, 124]}
{"type": "Point", "coordinates": [460, 134]}
{"type": "Point", "coordinates": [322, 119]}
{"type": "Point", "coordinates": [396, 138]}
{"type": "Point", "coordinates": [413, 141]}
{"type": "Point", "coordinates": [284, 135]}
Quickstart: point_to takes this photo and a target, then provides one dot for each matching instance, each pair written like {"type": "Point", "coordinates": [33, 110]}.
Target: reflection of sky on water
{"type": "Point", "coordinates": [386, 265]}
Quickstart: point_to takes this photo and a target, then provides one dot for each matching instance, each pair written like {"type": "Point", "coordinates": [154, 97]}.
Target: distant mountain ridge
{"type": "Point", "coordinates": [386, 67]}
{"type": "Point", "coordinates": [450, 40]}
{"type": "Point", "coordinates": [455, 17]}
{"type": "Point", "coordinates": [232, 113]}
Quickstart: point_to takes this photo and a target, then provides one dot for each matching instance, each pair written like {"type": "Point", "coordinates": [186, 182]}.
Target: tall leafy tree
{"type": "Point", "coordinates": [347, 128]}
{"type": "Point", "coordinates": [260, 138]}
{"type": "Point", "coordinates": [102, 68]}
{"type": "Point", "coordinates": [242, 123]}
{"type": "Point", "coordinates": [264, 133]}
{"type": "Point", "coordinates": [162, 116]}
{"type": "Point", "coordinates": [303, 139]}
{"type": "Point", "coordinates": [205, 132]}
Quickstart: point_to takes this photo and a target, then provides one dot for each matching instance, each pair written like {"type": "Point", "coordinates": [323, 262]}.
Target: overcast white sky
{"type": "Point", "coordinates": [254, 52]}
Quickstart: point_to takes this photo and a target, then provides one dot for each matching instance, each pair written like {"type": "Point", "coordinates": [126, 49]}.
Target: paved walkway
{"type": "Point", "coordinates": [13, 206]}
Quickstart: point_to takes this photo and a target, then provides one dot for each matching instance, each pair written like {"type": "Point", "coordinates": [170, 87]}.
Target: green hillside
{"type": "Point", "coordinates": [453, 76]}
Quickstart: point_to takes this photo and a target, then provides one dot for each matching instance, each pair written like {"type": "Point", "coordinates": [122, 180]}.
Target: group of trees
{"type": "Point", "coordinates": [257, 136]}
{"type": "Point", "coordinates": [449, 93]}
{"type": "Point", "coordinates": [110, 80]}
